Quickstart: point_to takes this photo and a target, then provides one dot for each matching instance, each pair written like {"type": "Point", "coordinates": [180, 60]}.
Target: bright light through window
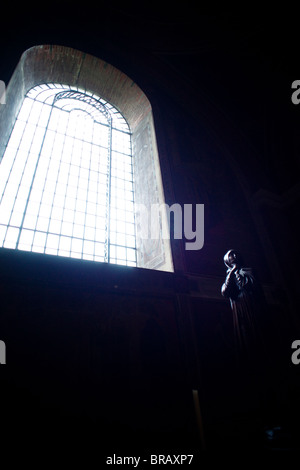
{"type": "Point", "coordinates": [66, 178]}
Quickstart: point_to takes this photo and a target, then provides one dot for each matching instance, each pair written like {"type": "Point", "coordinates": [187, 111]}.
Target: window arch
{"type": "Point", "coordinates": [67, 181]}
{"type": "Point", "coordinates": [93, 91]}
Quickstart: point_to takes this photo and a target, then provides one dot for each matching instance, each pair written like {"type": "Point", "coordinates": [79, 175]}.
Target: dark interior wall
{"type": "Point", "coordinates": [103, 347]}
{"type": "Point", "coordinates": [204, 169]}
{"type": "Point", "coordinates": [94, 346]}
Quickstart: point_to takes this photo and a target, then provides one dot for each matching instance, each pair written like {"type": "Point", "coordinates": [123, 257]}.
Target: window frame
{"type": "Point", "coordinates": [60, 64]}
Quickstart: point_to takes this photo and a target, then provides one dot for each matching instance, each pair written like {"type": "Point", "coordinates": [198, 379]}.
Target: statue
{"type": "Point", "coordinates": [254, 338]}
{"type": "Point", "coordinates": [247, 304]}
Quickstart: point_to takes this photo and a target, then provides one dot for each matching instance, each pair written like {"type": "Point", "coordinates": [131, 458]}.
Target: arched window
{"type": "Point", "coordinates": [66, 184]}
{"type": "Point", "coordinates": [78, 158]}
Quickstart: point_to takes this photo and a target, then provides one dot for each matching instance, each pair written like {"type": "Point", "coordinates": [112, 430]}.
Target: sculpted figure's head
{"type": "Point", "coordinates": [232, 258]}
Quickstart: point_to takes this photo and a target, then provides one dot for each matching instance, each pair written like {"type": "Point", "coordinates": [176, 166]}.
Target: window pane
{"type": "Point", "coordinates": [26, 238]}
{"type": "Point", "coordinates": [77, 245]}
{"type": "Point", "coordinates": [130, 254]}
{"type": "Point", "coordinates": [65, 243]}
{"type": "Point", "coordinates": [121, 252]}
{"type": "Point", "coordinates": [121, 239]}
{"type": "Point", "coordinates": [30, 221]}
{"type": "Point", "coordinates": [17, 134]}
{"type": "Point", "coordinates": [16, 218]}
{"type": "Point", "coordinates": [40, 239]}
{"type": "Point", "coordinates": [52, 241]}
{"type": "Point", "coordinates": [11, 237]}
{"type": "Point", "coordinates": [42, 224]}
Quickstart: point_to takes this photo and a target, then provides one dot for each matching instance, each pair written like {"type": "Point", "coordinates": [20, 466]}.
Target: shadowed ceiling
{"type": "Point", "coordinates": [243, 64]}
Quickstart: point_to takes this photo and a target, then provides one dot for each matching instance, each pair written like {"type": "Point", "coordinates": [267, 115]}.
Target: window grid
{"type": "Point", "coordinates": [69, 189]}
{"type": "Point", "coordinates": [33, 177]}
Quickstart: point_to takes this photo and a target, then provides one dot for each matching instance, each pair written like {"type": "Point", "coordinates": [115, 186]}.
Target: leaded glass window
{"type": "Point", "coordinates": [66, 178]}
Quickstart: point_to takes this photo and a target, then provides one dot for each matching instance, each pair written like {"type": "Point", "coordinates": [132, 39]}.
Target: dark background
{"type": "Point", "coordinates": [243, 64]}
{"type": "Point", "coordinates": [220, 89]}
